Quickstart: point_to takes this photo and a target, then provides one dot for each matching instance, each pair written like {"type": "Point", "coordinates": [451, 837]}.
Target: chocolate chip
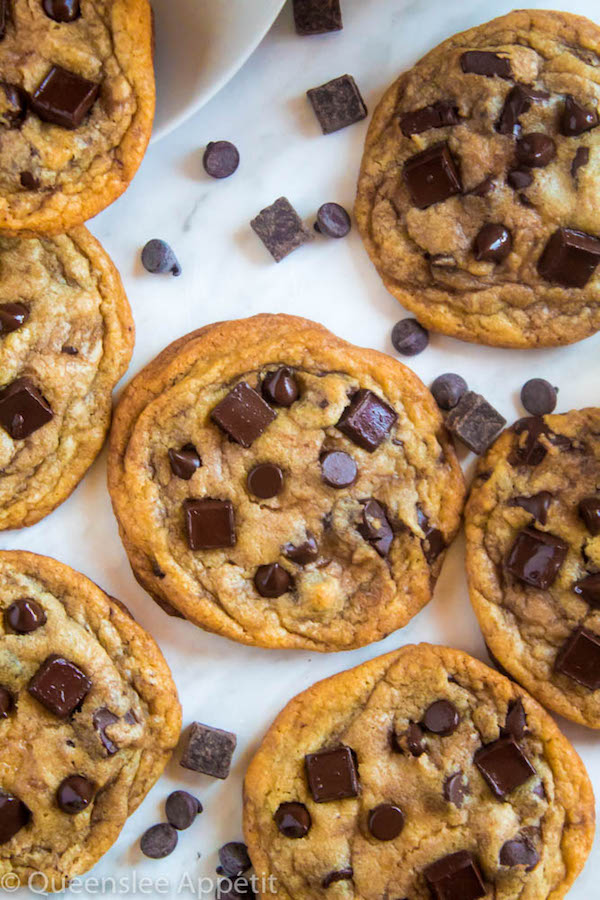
{"type": "Point", "coordinates": [579, 658]}
{"type": "Point", "coordinates": [24, 616]}
{"type": "Point", "coordinates": [184, 462]}
{"type": "Point", "coordinates": [340, 875]}
{"type": "Point", "coordinates": [589, 510]}
{"type": "Point", "coordinates": [441, 114]}
{"type": "Point", "coordinates": [447, 390]}
{"type": "Point", "coordinates": [332, 774]}
{"type": "Point", "coordinates": [159, 841]}
{"type": "Point", "coordinates": [432, 176]}
{"type": "Point", "coordinates": [293, 820]}
{"type": "Point", "coordinates": [519, 178]}
{"type": "Point", "coordinates": [208, 750]}
{"type": "Point", "coordinates": [386, 822]}
{"type": "Point", "coordinates": [375, 527]}
{"type": "Point", "coordinates": [333, 220]}
{"type": "Point", "coordinates": [337, 104]}
{"type": "Point", "coordinates": [281, 387]}
{"type": "Point", "coordinates": [29, 181]}
{"type": "Point", "coordinates": [589, 590]}
{"type": "Point", "coordinates": [576, 119]}
{"type": "Point", "coordinates": [272, 580]}
{"type": "Point", "coordinates": [317, 16]}
{"type": "Point", "coordinates": [475, 422]}
{"type": "Point", "coordinates": [518, 102]}
{"type": "Point", "coordinates": [409, 337]}
{"type": "Point", "coordinates": [434, 542]}
{"type": "Point", "coordinates": [102, 719]}
{"type": "Point", "coordinates": [484, 187]}
{"type": "Point", "coordinates": [539, 397]}
{"type": "Point", "coordinates": [455, 789]}
{"type": "Point", "coordinates": [221, 159]}
{"type": "Point", "coordinates": [74, 794]}
{"type": "Point", "coordinates": [4, 14]}
{"type": "Point", "coordinates": [265, 480]}
{"type": "Point", "coordinates": [493, 243]}
{"type": "Point", "coordinates": [516, 720]}
{"type": "Point", "coordinates": [14, 815]}
{"type": "Point", "coordinates": [62, 10]}
{"type": "Point", "coordinates": [64, 98]}
{"type": "Point", "coordinates": [504, 766]}
{"type": "Point", "coordinates": [412, 740]}
{"type": "Point", "coordinates": [536, 150]}
{"type": "Point", "coordinates": [338, 469]}
{"type": "Point", "coordinates": [234, 859]}
{"type": "Point", "coordinates": [70, 351]}
{"type": "Point", "coordinates": [159, 259]}
{"type": "Point", "coordinates": [304, 553]}
{"type": "Point", "coordinates": [570, 258]}
{"type": "Point", "coordinates": [536, 557]}
{"type": "Point", "coordinates": [455, 877]}
{"type": "Point", "coordinates": [538, 505]}
{"type": "Point", "coordinates": [7, 703]}
{"type": "Point", "coordinates": [441, 718]}
{"type": "Point", "coordinates": [23, 409]}
{"type": "Point", "coordinates": [243, 414]}
{"type": "Point", "coordinates": [13, 104]}
{"type": "Point", "coordinates": [367, 421]}
{"type": "Point", "coordinates": [280, 228]}
{"type": "Point", "coordinates": [210, 524]}
{"type": "Point", "coordinates": [529, 451]}
{"type": "Point", "coordinates": [482, 62]}
{"type": "Point", "coordinates": [60, 686]}
{"type": "Point", "coordinates": [519, 852]}
{"type": "Point", "coordinates": [581, 158]}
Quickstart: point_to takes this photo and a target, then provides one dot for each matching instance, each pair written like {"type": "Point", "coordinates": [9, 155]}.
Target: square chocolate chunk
{"type": "Point", "coordinates": [475, 422]}
{"type": "Point", "coordinates": [504, 766]}
{"type": "Point", "coordinates": [208, 750]}
{"type": "Point", "coordinates": [317, 16]}
{"type": "Point", "coordinates": [536, 557]}
{"type": "Point", "coordinates": [243, 414]}
{"type": "Point", "coordinates": [367, 421]}
{"type": "Point", "coordinates": [432, 176]}
{"type": "Point", "coordinates": [455, 877]}
{"type": "Point", "coordinates": [579, 658]}
{"type": "Point", "coordinates": [64, 98]}
{"type": "Point", "coordinates": [332, 774]}
{"type": "Point", "coordinates": [281, 229]}
{"type": "Point", "coordinates": [23, 409]}
{"type": "Point", "coordinates": [209, 524]}
{"type": "Point", "coordinates": [483, 62]}
{"type": "Point", "coordinates": [570, 258]}
{"type": "Point", "coordinates": [60, 686]}
{"type": "Point", "coordinates": [337, 104]}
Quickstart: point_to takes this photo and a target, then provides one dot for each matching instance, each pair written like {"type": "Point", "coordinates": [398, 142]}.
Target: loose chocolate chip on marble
{"type": "Point", "coordinates": [13, 104]}
{"type": "Point", "coordinates": [482, 62]}
{"type": "Point", "coordinates": [539, 397]}
{"type": "Point", "coordinates": [367, 420]}
{"type": "Point", "coordinates": [434, 542]}
{"type": "Point", "coordinates": [441, 718]}
{"type": "Point", "coordinates": [14, 815]}
{"type": "Point", "coordinates": [23, 409]}
{"type": "Point", "coordinates": [7, 703]}
{"type": "Point", "coordinates": [589, 510]}
{"type": "Point", "coordinates": [272, 580]}
{"type": "Point", "coordinates": [475, 422]}
{"type": "Point", "coordinates": [265, 480]}
{"type": "Point", "coordinates": [159, 841]}
{"type": "Point", "coordinates": [74, 794]}
{"type": "Point", "coordinates": [304, 553]}
{"type": "Point", "coordinates": [337, 104]}
{"type": "Point", "coordinates": [386, 822]}
{"type": "Point", "coordinates": [519, 852]}
{"type": "Point", "coordinates": [447, 390]}
{"type": "Point", "coordinates": [516, 720]}
{"type": "Point", "coordinates": [409, 337]}
{"type": "Point", "coordinates": [340, 875]}
{"type": "Point", "coordinates": [455, 789]}
{"type": "Point", "coordinates": [455, 877]}
{"type": "Point", "coordinates": [208, 750]}
{"type": "Point", "coordinates": [280, 228]}
{"type": "Point", "coordinates": [243, 414]}
{"type": "Point", "coordinates": [62, 10]}
{"type": "Point", "coordinates": [432, 176]}
{"type": "Point", "coordinates": [184, 462]}
{"type": "Point", "coordinates": [293, 820]}
{"type": "Point", "coordinates": [234, 859]}
{"type": "Point", "coordinates": [493, 243]}
{"type": "Point", "coordinates": [504, 766]}
{"type": "Point", "coordinates": [332, 774]}
{"type": "Point", "coordinates": [317, 16]}
{"type": "Point", "coordinates": [281, 387]}
{"type": "Point", "coordinates": [519, 179]}
{"type": "Point", "coordinates": [570, 258]}
{"type": "Point", "coordinates": [576, 119]}
{"type": "Point", "coordinates": [375, 527]}
{"type": "Point", "coordinates": [220, 159]}
{"type": "Point", "coordinates": [536, 557]}
{"type": "Point", "coordinates": [64, 98]}
{"type": "Point", "coordinates": [338, 469]}
{"type": "Point", "coordinates": [60, 686]}
{"type": "Point", "coordinates": [579, 658]}
{"type": "Point", "coordinates": [25, 616]}
{"type": "Point", "coordinates": [209, 524]}
{"type": "Point", "coordinates": [441, 114]}
{"type": "Point", "coordinates": [581, 159]}
{"type": "Point", "coordinates": [536, 150]}
{"type": "Point", "coordinates": [538, 505]}
{"type": "Point", "coordinates": [333, 220]}
{"type": "Point", "coordinates": [102, 719]}
{"type": "Point", "coordinates": [159, 259]}
{"type": "Point", "coordinates": [589, 590]}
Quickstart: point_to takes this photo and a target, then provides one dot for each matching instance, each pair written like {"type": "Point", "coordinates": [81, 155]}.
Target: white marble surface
{"type": "Point", "coordinates": [227, 273]}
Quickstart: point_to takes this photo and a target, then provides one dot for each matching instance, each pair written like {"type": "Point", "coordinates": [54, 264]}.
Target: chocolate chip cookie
{"type": "Point", "coordinates": [76, 108]}
{"type": "Point", "coordinates": [420, 774]}
{"type": "Point", "coordinates": [282, 487]}
{"type": "Point", "coordinates": [66, 337]}
{"type": "Point", "coordinates": [533, 558]}
{"type": "Point", "coordinates": [477, 194]}
{"type": "Point", "coordinates": [89, 716]}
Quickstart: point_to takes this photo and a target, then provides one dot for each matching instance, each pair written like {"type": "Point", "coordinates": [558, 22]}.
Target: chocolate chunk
{"type": "Point", "coordinates": [536, 557]}
{"type": "Point", "coordinates": [484, 187]}
{"type": "Point", "coordinates": [12, 316]}
{"type": "Point", "coordinates": [539, 397]}
{"type": "Point", "coordinates": [375, 527]}
{"type": "Point", "coordinates": [272, 580]}
{"type": "Point", "coordinates": [243, 414]}
{"type": "Point", "coordinates": [455, 789]}
{"type": "Point", "coordinates": [581, 158]}
{"type": "Point", "coordinates": [24, 616]}
{"type": "Point", "coordinates": [441, 718]}
{"type": "Point", "coordinates": [281, 387]}
{"type": "Point", "coordinates": [69, 351]}
{"type": "Point", "coordinates": [341, 875]}
{"type": "Point", "coordinates": [29, 181]}
{"type": "Point", "coordinates": [62, 10]}
{"type": "Point", "coordinates": [493, 243]}
{"type": "Point", "coordinates": [589, 510]}
{"type": "Point", "coordinates": [13, 104]}
{"type": "Point", "coordinates": [434, 542]}
{"type": "Point", "coordinates": [412, 740]}
{"type": "Point", "coordinates": [221, 159]}
{"type": "Point", "coordinates": [280, 228]}
{"type": "Point", "coordinates": [293, 820]}
{"type": "Point", "coordinates": [234, 859]}
{"type": "Point", "coordinates": [332, 774]}
{"type": "Point", "coordinates": [265, 480]}
{"type": "Point", "coordinates": [14, 815]}
{"type": "Point", "coordinates": [519, 179]}
{"type": "Point", "coordinates": [529, 451]}
{"type": "Point", "coordinates": [184, 462]}
{"type": "Point", "coordinates": [74, 794]}
{"type": "Point", "coordinates": [338, 469]}
{"type": "Point", "coordinates": [386, 822]}
{"type": "Point", "coordinates": [317, 16]}
{"type": "Point", "coordinates": [432, 176]}
{"type": "Point", "coordinates": [409, 337]}
{"type": "Point", "coordinates": [504, 766]}
{"type": "Point", "coordinates": [447, 390]}
{"type": "Point", "coordinates": [4, 14]}
{"type": "Point", "coordinates": [333, 220]}
{"type": "Point", "coordinates": [23, 409]}
{"type": "Point", "coordinates": [516, 720]}
{"type": "Point", "coordinates": [518, 102]}
{"type": "Point", "coordinates": [302, 554]}
{"type": "Point", "coordinates": [367, 421]}
{"type": "Point", "coordinates": [576, 119]}
{"type": "Point", "coordinates": [475, 422]}
{"type": "Point", "coordinates": [570, 258]}
{"type": "Point", "coordinates": [536, 150]}
{"type": "Point", "coordinates": [159, 258]}
{"type": "Point", "coordinates": [60, 686]}
{"type": "Point", "coordinates": [455, 877]}
{"type": "Point", "coordinates": [482, 62]}
{"type": "Point", "coordinates": [210, 524]}
{"type": "Point", "coordinates": [208, 750]}
{"type": "Point", "coordinates": [7, 703]}
{"type": "Point", "coordinates": [159, 841]}
{"type": "Point", "coordinates": [337, 104]}
{"type": "Point", "coordinates": [64, 98]}
{"type": "Point", "coordinates": [102, 719]}
{"type": "Point", "coordinates": [519, 852]}
{"type": "Point", "coordinates": [579, 658]}
{"type": "Point", "coordinates": [538, 505]}
{"type": "Point", "coordinates": [438, 115]}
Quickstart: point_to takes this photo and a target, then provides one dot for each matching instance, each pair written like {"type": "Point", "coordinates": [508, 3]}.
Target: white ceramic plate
{"type": "Point", "coordinates": [200, 45]}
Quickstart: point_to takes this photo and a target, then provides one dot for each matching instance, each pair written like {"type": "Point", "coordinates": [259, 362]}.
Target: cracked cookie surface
{"type": "Point", "coordinates": [476, 198]}
{"type": "Point", "coordinates": [246, 509]}
{"type": "Point", "coordinates": [414, 723]}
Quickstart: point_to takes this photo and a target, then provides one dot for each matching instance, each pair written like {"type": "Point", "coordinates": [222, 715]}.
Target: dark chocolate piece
{"type": "Point", "coordinates": [69, 351]}
{"type": "Point", "coordinates": [412, 740]}
{"type": "Point", "coordinates": [280, 228]}
{"type": "Point", "coordinates": [589, 590]}
{"type": "Point", "coordinates": [272, 580]}
{"type": "Point", "coordinates": [208, 750]}
{"type": "Point", "coordinates": [60, 686]}
{"type": "Point", "coordinates": [576, 119]}
{"type": "Point", "coordinates": [518, 101]}
{"type": "Point", "coordinates": [317, 16]}
{"type": "Point", "coordinates": [293, 820]}
{"type": "Point", "coordinates": [455, 789]}
{"type": "Point", "coordinates": [159, 258]}
{"type": "Point", "coordinates": [243, 414]}
{"type": "Point", "coordinates": [220, 159]}
{"type": "Point", "coordinates": [536, 150]}
{"type": "Point", "coordinates": [304, 553]}
{"type": "Point", "coordinates": [570, 258]}
{"type": "Point", "coordinates": [519, 852]}
{"type": "Point", "coordinates": [589, 510]}
{"type": "Point", "coordinates": [338, 469]}
{"type": "Point", "coordinates": [386, 822]}
{"type": "Point", "coordinates": [159, 841]}
{"type": "Point", "coordinates": [409, 337]}
{"type": "Point", "coordinates": [375, 527]}
{"type": "Point", "coordinates": [337, 104]}
{"type": "Point", "coordinates": [504, 766]}
{"type": "Point", "coordinates": [333, 220]}
{"type": "Point", "coordinates": [14, 815]}
{"type": "Point", "coordinates": [24, 616]}
{"type": "Point", "coordinates": [432, 176]}
{"type": "Point", "coordinates": [482, 62]}
{"type": "Point", "coordinates": [484, 187]}
{"type": "Point", "coordinates": [441, 718]}
{"type": "Point", "coordinates": [210, 524]}
{"type": "Point", "coordinates": [539, 397]}
{"type": "Point", "coordinates": [455, 877]}
{"type": "Point", "coordinates": [281, 387]}
{"type": "Point", "coordinates": [493, 243]}
{"type": "Point", "coordinates": [579, 658]}
{"type": "Point", "coordinates": [13, 104]}
{"type": "Point", "coordinates": [341, 875]}
{"type": "Point", "coordinates": [581, 159]}
{"type": "Point", "coordinates": [265, 480]}
{"type": "Point", "coordinates": [4, 14]}
{"type": "Point", "coordinates": [441, 114]}
{"type": "Point", "coordinates": [447, 390]}
{"type": "Point", "coordinates": [64, 98]}
{"type": "Point", "coordinates": [74, 794]}
{"type": "Point", "coordinates": [516, 720]}
{"type": "Point", "coordinates": [234, 859]}
{"type": "Point", "coordinates": [536, 557]}
{"type": "Point", "coordinates": [367, 421]}
{"type": "Point", "coordinates": [102, 719]}
{"type": "Point", "coordinates": [519, 179]}
{"type": "Point", "coordinates": [529, 451]}
{"type": "Point", "coordinates": [434, 542]}
{"type": "Point", "coordinates": [538, 505]}
{"type": "Point", "coordinates": [7, 703]}
{"type": "Point", "coordinates": [184, 462]}
{"type": "Point", "coordinates": [62, 10]}
{"type": "Point", "coordinates": [332, 774]}
{"type": "Point", "coordinates": [475, 422]}
{"type": "Point", "coordinates": [23, 409]}
{"type": "Point", "coordinates": [12, 316]}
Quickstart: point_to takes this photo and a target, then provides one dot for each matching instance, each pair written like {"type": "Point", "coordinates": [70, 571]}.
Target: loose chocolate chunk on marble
{"type": "Point", "coordinates": [434, 542]}
{"type": "Point", "coordinates": [455, 877]}
{"type": "Point", "coordinates": [159, 841]}
{"type": "Point", "coordinates": [367, 421]}
{"type": "Point", "coordinates": [493, 243]}
{"type": "Point", "coordinates": [317, 16]}
{"type": "Point", "coordinates": [184, 462]}
{"type": "Point", "coordinates": [23, 409]}
{"type": "Point", "coordinates": [7, 703]}
{"type": "Point", "coordinates": [536, 150]}
{"type": "Point", "coordinates": [24, 616]}
{"type": "Point", "coordinates": [439, 115]}
{"type": "Point", "coordinates": [74, 794]}
{"type": "Point", "coordinates": [516, 720]}
{"type": "Point", "coordinates": [337, 104]}
{"type": "Point", "coordinates": [14, 815]}
{"type": "Point", "coordinates": [441, 717]}
{"type": "Point", "coordinates": [293, 820]}
{"type": "Point", "coordinates": [243, 414]}
{"type": "Point", "coordinates": [519, 852]}
{"type": "Point", "coordinates": [12, 317]}
{"type": "Point", "coordinates": [60, 686]}
{"type": "Point", "coordinates": [210, 524]}
{"type": "Point", "coordinates": [62, 10]}
{"type": "Point", "coordinates": [455, 789]}
{"type": "Point", "coordinates": [475, 422]}
{"type": "Point", "coordinates": [518, 101]}
{"type": "Point", "coordinates": [375, 527]}
{"type": "Point", "coordinates": [234, 859]}
{"type": "Point", "coordinates": [338, 469]}
{"type": "Point", "coordinates": [341, 875]}
{"type": "Point", "coordinates": [221, 159]}
{"type": "Point", "coordinates": [102, 719]}
{"type": "Point", "coordinates": [332, 774]}
{"type": "Point", "coordinates": [333, 220]}
{"type": "Point", "coordinates": [304, 553]}
{"type": "Point", "coordinates": [64, 98]}
{"type": "Point", "coordinates": [265, 480]}
{"type": "Point", "coordinates": [432, 176]}
{"type": "Point", "coordinates": [281, 387]}
{"type": "Point", "coordinates": [520, 179]}
{"type": "Point", "coordinates": [280, 228]}
{"type": "Point", "coordinates": [13, 104]}
{"type": "Point", "coordinates": [386, 822]}
{"type": "Point", "coordinates": [570, 258]}
{"type": "Point", "coordinates": [538, 505]}
{"type": "Point", "coordinates": [272, 580]}
{"type": "Point", "coordinates": [536, 557]}
{"type": "Point", "coordinates": [504, 766]}
{"type": "Point", "coordinates": [579, 658]}
{"type": "Point", "coordinates": [581, 159]}
{"type": "Point", "coordinates": [589, 510]}
{"type": "Point", "coordinates": [208, 750]}
{"type": "Point", "coordinates": [576, 119]}
{"type": "Point", "coordinates": [482, 62]}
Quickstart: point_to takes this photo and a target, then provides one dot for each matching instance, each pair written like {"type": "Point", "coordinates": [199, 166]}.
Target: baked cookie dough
{"type": "Point", "coordinates": [76, 108]}
{"type": "Point", "coordinates": [66, 337]}
{"type": "Point", "coordinates": [477, 198]}
{"type": "Point", "coordinates": [533, 558]}
{"type": "Point", "coordinates": [281, 487]}
{"type": "Point", "coordinates": [89, 716]}
{"type": "Point", "coordinates": [420, 774]}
